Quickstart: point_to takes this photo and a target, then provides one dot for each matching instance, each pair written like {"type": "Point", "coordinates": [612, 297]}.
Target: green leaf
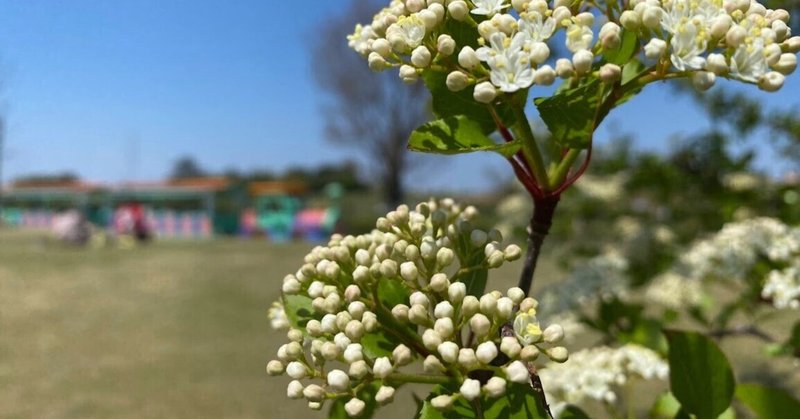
{"type": "Point", "coordinates": [447, 103]}
{"type": "Point", "coordinates": [627, 47]}
{"type": "Point", "coordinates": [571, 114]}
{"type": "Point", "coordinates": [700, 375]}
{"type": "Point", "coordinates": [367, 394]}
{"type": "Point", "coordinates": [392, 292]}
{"type": "Point", "coordinates": [299, 310]}
{"type": "Point", "coordinates": [519, 402]}
{"type": "Point", "coordinates": [456, 134]}
{"type": "Point", "coordinates": [573, 412]}
{"type": "Point", "coordinates": [632, 70]}
{"type": "Point", "coordinates": [378, 344]}
{"type": "Point", "coordinates": [767, 402]}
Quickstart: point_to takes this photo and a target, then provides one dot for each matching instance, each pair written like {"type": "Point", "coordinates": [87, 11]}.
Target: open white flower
{"type": "Point", "coordinates": [407, 33]}
{"type": "Point", "coordinates": [489, 7]}
{"type": "Point", "coordinates": [510, 65]}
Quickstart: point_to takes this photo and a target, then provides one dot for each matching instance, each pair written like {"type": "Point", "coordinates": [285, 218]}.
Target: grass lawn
{"type": "Point", "coordinates": [172, 329]}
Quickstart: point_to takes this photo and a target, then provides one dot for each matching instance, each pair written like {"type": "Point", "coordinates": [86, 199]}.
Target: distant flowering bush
{"type": "Point", "coordinates": [367, 313]}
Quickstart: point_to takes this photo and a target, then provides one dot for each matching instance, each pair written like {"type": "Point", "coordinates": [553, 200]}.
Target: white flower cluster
{"type": "Point", "coordinates": [608, 188]}
{"type": "Point", "coordinates": [674, 291]}
{"type": "Point", "coordinates": [277, 316]}
{"type": "Point", "coordinates": [732, 254]}
{"type": "Point", "coordinates": [737, 39]}
{"type": "Point", "coordinates": [426, 253]}
{"type": "Point", "coordinates": [597, 373]}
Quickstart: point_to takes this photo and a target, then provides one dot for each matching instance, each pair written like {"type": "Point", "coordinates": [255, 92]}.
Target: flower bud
{"type": "Point", "coordinates": [458, 10]}
{"type": "Point", "coordinates": [444, 327]}
{"type": "Point", "coordinates": [539, 52]}
{"type": "Point", "coordinates": [703, 80]}
{"type": "Point", "coordinates": [361, 274]}
{"type": "Point", "coordinates": [717, 64]}
{"type": "Point", "coordinates": [553, 333]}
{"type": "Point", "coordinates": [401, 355]}
{"type": "Point", "coordinates": [488, 304]}
{"type": "Point", "coordinates": [388, 268]}
{"type": "Point", "coordinates": [735, 36]}
{"type": "Point", "coordinates": [314, 328]}
{"type": "Point", "coordinates": [382, 47]}
{"type": "Point", "coordinates": [330, 351]}
{"type": "Point", "coordinates": [315, 405]}
{"type": "Point", "coordinates": [470, 306]}
{"type": "Point", "coordinates": [495, 387]}
{"type": "Point", "coordinates": [431, 364]}
{"type": "Point", "coordinates": [480, 325]}
{"type": "Point", "coordinates": [443, 310]}
{"type": "Point", "coordinates": [467, 59]}
{"type": "Point", "coordinates": [438, 9]}
{"type": "Point", "coordinates": [329, 323]}
{"type": "Point", "coordinates": [358, 369]}
{"type": "Point", "coordinates": [609, 36]}
{"type": "Point", "coordinates": [356, 309]}
{"type": "Point", "coordinates": [516, 294]}
{"type": "Point", "coordinates": [338, 381]}
{"type": "Point", "coordinates": [419, 298]}
{"type": "Point", "coordinates": [630, 20]}
{"type": "Point", "coordinates": [516, 372]}
{"type": "Point", "coordinates": [382, 367]}
{"type": "Point", "coordinates": [786, 64]}
{"type": "Point", "coordinates": [315, 289]}
{"type": "Point", "coordinates": [496, 259]}
{"type": "Point", "coordinates": [445, 257]}
{"type": "Point", "coordinates": [485, 92]}
{"type": "Point", "coordinates": [408, 271]}
{"type": "Point", "coordinates": [655, 49]}
{"type": "Point", "coordinates": [314, 393]}
{"type": "Point", "coordinates": [720, 26]}
{"type": "Point", "coordinates": [274, 368]}
{"type": "Point", "coordinates": [354, 407]}
{"type": "Point", "coordinates": [291, 285]}
{"type": "Point", "coordinates": [558, 354]}
{"type": "Point", "coordinates": [505, 308]}
{"type": "Point", "coordinates": [412, 252]}
{"type": "Point", "coordinates": [296, 370]}
{"type": "Point", "coordinates": [354, 330]}
{"type": "Point", "coordinates": [564, 68]}
{"type": "Point", "coordinates": [448, 351]}
{"type": "Point", "coordinates": [510, 346]}
{"type": "Point", "coordinates": [446, 45]}
{"type": "Point", "coordinates": [527, 304]}
{"type": "Point", "coordinates": [529, 353]}
{"type": "Point", "coordinates": [294, 350]}
{"type": "Point", "coordinates": [455, 292]}
{"type": "Point", "coordinates": [771, 82]}
{"type": "Point", "coordinates": [792, 45]}
{"type": "Point", "coordinates": [467, 358]}
{"type": "Point", "coordinates": [582, 61]}
{"type": "Point", "coordinates": [400, 312]}
{"type": "Point", "coordinates": [376, 62]}
{"type": "Point", "coordinates": [486, 352]}
{"type": "Point", "coordinates": [370, 321]}
{"type": "Point", "coordinates": [429, 18]}
{"type": "Point", "coordinates": [353, 352]}
{"type": "Point", "coordinates": [415, 6]}
{"type": "Point", "coordinates": [431, 339]}
{"type": "Point", "coordinates": [610, 73]}
{"type": "Point", "coordinates": [408, 74]}
{"type": "Point", "coordinates": [421, 57]}
{"type": "Point", "coordinates": [470, 389]}
{"type": "Point", "coordinates": [442, 402]}
{"type": "Point", "coordinates": [772, 53]}
{"type": "Point", "coordinates": [294, 335]}
{"type": "Point", "coordinates": [384, 395]}
{"type": "Point", "coordinates": [294, 390]}
{"type": "Point", "coordinates": [561, 14]}
{"type": "Point", "coordinates": [651, 17]}
{"type": "Point", "coordinates": [341, 340]}
{"type": "Point", "coordinates": [544, 75]}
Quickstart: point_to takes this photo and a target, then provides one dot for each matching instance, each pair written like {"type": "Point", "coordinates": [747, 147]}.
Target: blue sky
{"type": "Point", "coordinates": [117, 90]}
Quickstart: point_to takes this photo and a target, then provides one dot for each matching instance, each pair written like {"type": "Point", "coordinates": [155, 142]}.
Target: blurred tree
{"type": "Point", "coordinates": [41, 179]}
{"type": "Point", "coordinates": [379, 131]}
{"type": "Point", "coordinates": [187, 167]}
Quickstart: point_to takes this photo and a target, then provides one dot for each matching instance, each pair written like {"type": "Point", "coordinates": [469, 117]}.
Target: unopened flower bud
{"type": "Point", "coordinates": [486, 352]}
{"type": "Point", "coordinates": [444, 327]}
{"type": "Point", "coordinates": [294, 335]}
{"type": "Point", "coordinates": [443, 310]}
{"type": "Point", "coordinates": [421, 56]}
{"type": "Point", "coordinates": [651, 17]}
{"type": "Point", "coordinates": [448, 351]}
{"type": "Point", "coordinates": [439, 282]}
{"type": "Point", "coordinates": [314, 328]}
{"type": "Point", "coordinates": [338, 380]}
{"type": "Point", "coordinates": [384, 395]}
{"type": "Point", "coordinates": [408, 74]}
{"type": "Point", "coordinates": [539, 52]}
{"type": "Point", "coordinates": [415, 6]}
{"type": "Point", "coordinates": [529, 353]}
{"type": "Point", "coordinates": [408, 271]}
{"type": "Point", "coordinates": [786, 64]}
{"type": "Point", "coordinates": [458, 10]}
{"type": "Point", "coordinates": [496, 259]}
{"type": "Point", "coordinates": [544, 75]}
{"type": "Point", "coordinates": [792, 44]}
{"type": "Point", "coordinates": [630, 20]}
{"type": "Point", "coordinates": [294, 390]}
{"type": "Point", "coordinates": [495, 387]}
{"type": "Point", "coordinates": [561, 14]}
{"type": "Point", "coordinates": [564, 68]}
{"type": "Point", "coordinates": [558, 354]}
{"type": "Point", "coordinates": [609, 36]}
{"type": "Point", "coordinates": [294, 350]}
{"type": "Point", "coordinates": [488, 304]}
{"type": "Point", "coordinates": [717, 64]}
{"type": "Point", "coordinates": [382, 47]}
{"type": "Point", "coordinates": [735, 36]}
{"type": "Point", "coordinates": [401, 355]}
{"type": "Point", "coordinates": [485, 92]}
{"type": "Point", "coordinates": [400, 312]}
{"type": "Point", "coordinates": [341, 340]}
{"type": "Point", "coordinates": [354, 330]}
{"type": "Point", "coordinates": [388, 268]}
{"type": "Point", "coordinates": [582, 61]}
{"type": "Point", "coordinates": [361, 274]}
{"type": "Point", "coordinates": [431, 339]}
{"type": "Point", "coordinates": [480, 325]}
{"type": "Point", "coordinates": [470, 306]}
{"type": "Point", "coordinates": [610, 73]}
{"type": "Point", "coordinates": [370, 321]}
{"type": "Point", "coordinates": [358, 369]}
{"type": "Point", "coordinates": [376, 62]}
{"type": "Point", "coordinates": [429, 18]}
{"type": "Point", "coordinates": [516, 372]}
{"type": "Point", "coordinates": [353, 352]}
{"type": "Point", "coordinates": [274, 368]}
{"type": "Point", "coordinates": [330, 351]}
{"type": "Point", "coordinates": [455, 291]}
{"type": "Point", "coordinates": [720, 26]}
{"type": "Point", "coordinates": [446, 45]}
{"type": "Point", "coordinates": [315, 405]}
{"type": "Point", "coordinates": [505, 308]}
{"type": "Point", "coordinates": [296, 370]}
{"type": "Point", "coordinates": [527, 304]}
{"type": "Point", "coordinates": [382, 367]}
{"type": "Point", "coordinates": [442, 402]}
{"type": "Point", "coordinates": [354, 407]}
{"type": "Point", "coordinates": [467, 358]}
{"type": "Point", "coordinates": [771, 82]}
{"type": "Point", "coordinates": [703, 80]}
{"type": "Point", "coordinates": [470, 389]}
{"type": "Point", "coordinates": [412, 252]}
{"type": "Point", "coordinates": [431, 364]}
{"type": "Point", "coordinates": [445, 257]}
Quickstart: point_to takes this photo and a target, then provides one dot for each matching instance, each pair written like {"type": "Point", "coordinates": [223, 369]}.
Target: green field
{"type": "Point", "coordinates": [171, 329]}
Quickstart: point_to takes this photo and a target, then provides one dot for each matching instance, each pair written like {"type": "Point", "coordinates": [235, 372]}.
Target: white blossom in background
{"type": "Point", "coordinates": [674, 291]}
{"type": "Point", "coordinates": [598, 374]}
{"type": "Point", "coordinates": [277, 316]}
{"type": "Point", "coordinates": [603, 188]}
{"type": "Point", "coordinates": [731, 255]}
{"type": "Point", "coordinates": [422, 251]}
